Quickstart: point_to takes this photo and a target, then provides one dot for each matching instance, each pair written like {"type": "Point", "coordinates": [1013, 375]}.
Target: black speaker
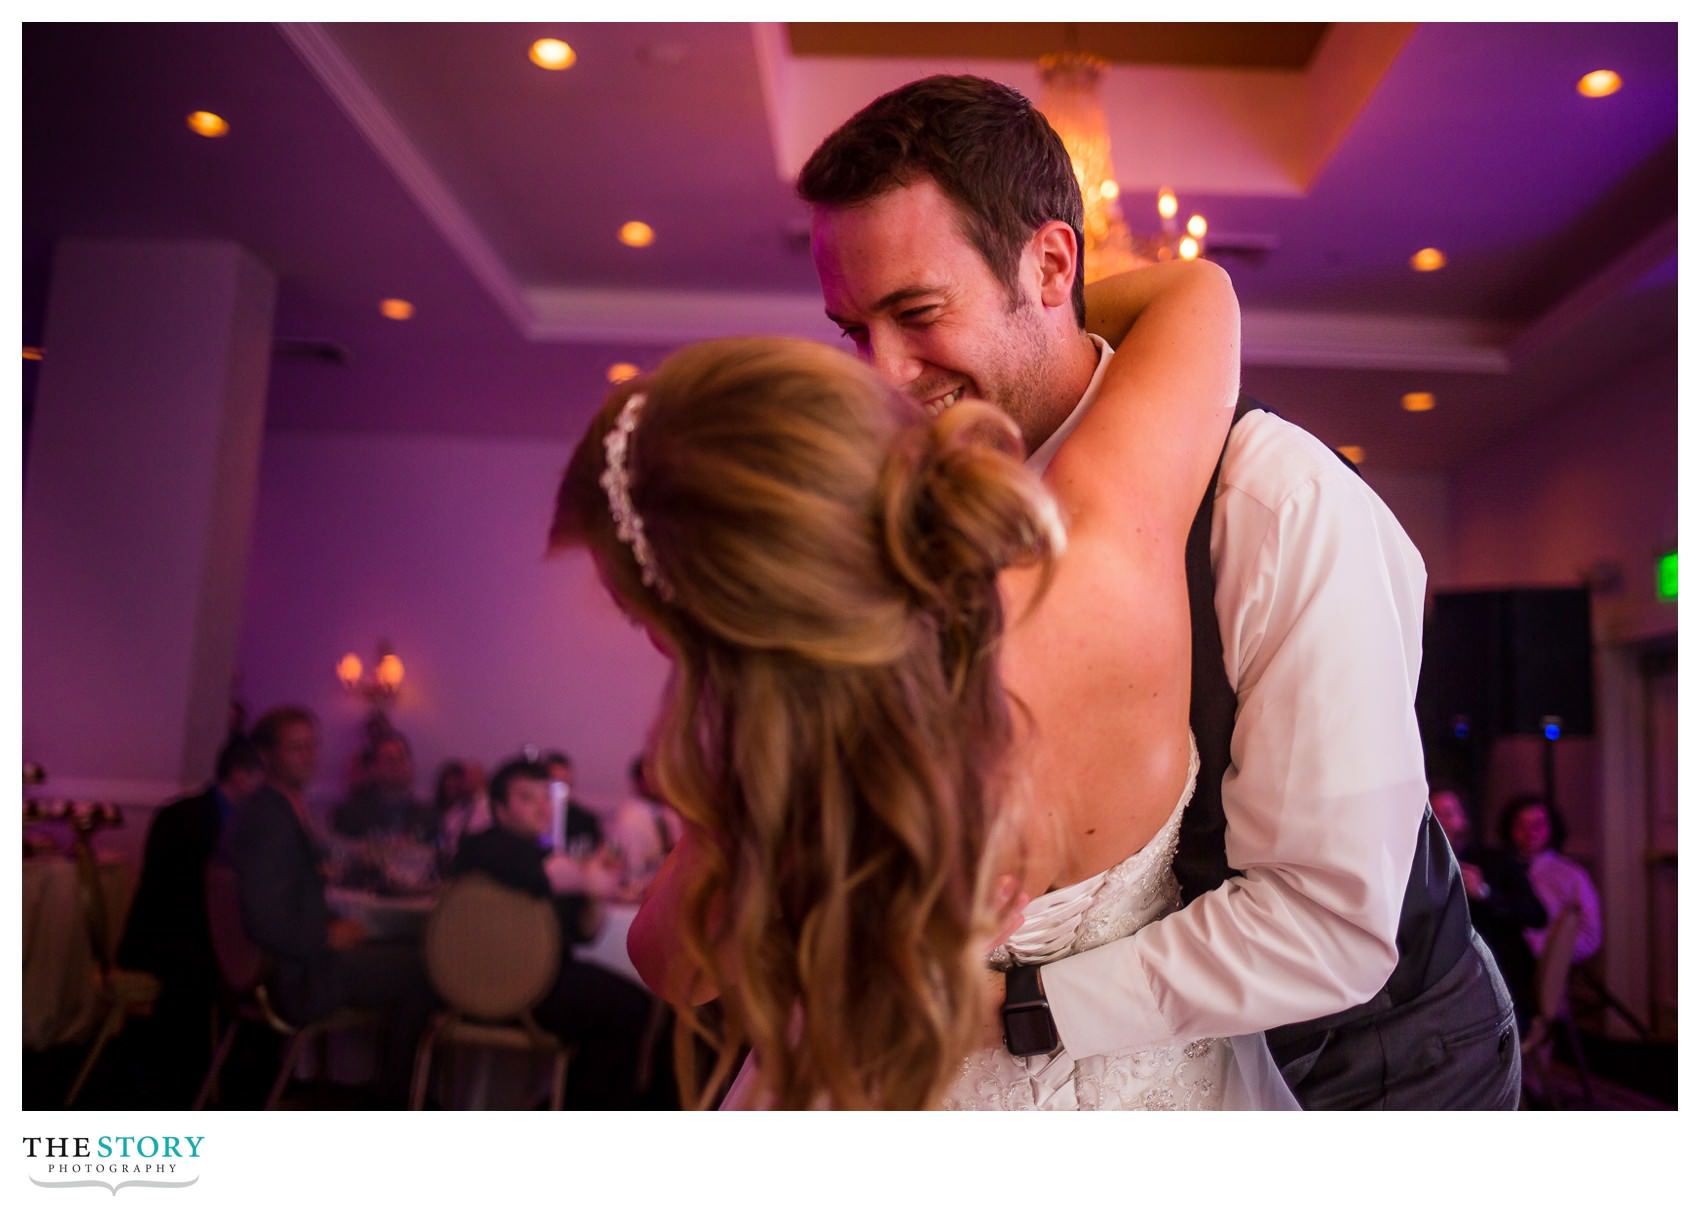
{"type": "Point", "coordinates": [1507, 662]}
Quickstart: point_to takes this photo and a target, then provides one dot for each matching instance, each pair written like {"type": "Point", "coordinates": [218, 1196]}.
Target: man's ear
{"type": "Point", "coordinates": [1058, 256]}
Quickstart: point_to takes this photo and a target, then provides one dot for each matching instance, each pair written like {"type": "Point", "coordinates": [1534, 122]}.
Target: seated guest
{"type": "Point", "coordinates": [584, 826]}
{"type": "Point", "coordinates": [320, 963]}
{"type": "Point", "coordinates": [384, 803]}
{"type": "Point", "coordinates": [1532, 830]}
{"type": "Point", "coordinates": [459, 806]}
{"type": "Point", "coordinates": [602, 1014]}
{"type": "Point", "coordinates": [166, 932]}
{"type": "Point", "coordinates": [1502, 904]}
{"type": "Point", "coordinates": [642, 832]}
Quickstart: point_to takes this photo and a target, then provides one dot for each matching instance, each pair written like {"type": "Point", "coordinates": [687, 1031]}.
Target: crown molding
{"type": "Point", "coordinates": [325, 59]}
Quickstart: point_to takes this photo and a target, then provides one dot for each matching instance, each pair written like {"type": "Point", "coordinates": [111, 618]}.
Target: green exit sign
{"type": "Point", "coordinates": [1667, 576]}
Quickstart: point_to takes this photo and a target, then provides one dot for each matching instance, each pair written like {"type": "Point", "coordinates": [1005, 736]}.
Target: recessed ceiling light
{"type": "Point", "coordinates": [208, 125]}
{"type": "Point", "coordinates": [1354, 453]}
{"type": "Point", "coordinates": [1427, 260]}
{"type": "Point", "coordinates": [553, 55]}
{"type": "Point", "coordinates": [1602, 83]}
{"type": "Point", "coordinates": [1196, 227]}
{"type": "Point", "coordinates": [637, 235]}
{"type": "Point", "coordinates": [396, 309]}
{"type": "Point", "coordinates": [621, 371]}
{"type": "Point", "coordinates": [1188, 248]}
{"type": "Point", "coordinates": [1418, 401]}
{"type": "Point", "coordinates": [32, 353]}
{"type": "Point", "coordinates": [1167, 205]}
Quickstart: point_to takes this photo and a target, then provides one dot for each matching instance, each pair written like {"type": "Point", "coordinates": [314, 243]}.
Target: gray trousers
{"type": "Point", "coordinates": [1453, 1047]}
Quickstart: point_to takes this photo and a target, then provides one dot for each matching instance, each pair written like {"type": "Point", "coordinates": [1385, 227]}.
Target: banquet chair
{"type": "Point", "coordinates": [1552, 1013]}
{"type": "Point", "coordinates": [242, 968]}
{"type": "Point", "coordinates": [491, 953]}
{"type": "Point", "coordinates": [123, 993]}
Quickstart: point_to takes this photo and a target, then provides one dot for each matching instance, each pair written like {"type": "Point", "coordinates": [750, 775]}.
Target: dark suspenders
{"type": "Point", "coordinates": [1434, 922]}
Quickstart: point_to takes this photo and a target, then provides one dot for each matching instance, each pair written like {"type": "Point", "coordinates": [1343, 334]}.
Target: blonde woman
{"type": "Point", "coordinates": [902, 701]}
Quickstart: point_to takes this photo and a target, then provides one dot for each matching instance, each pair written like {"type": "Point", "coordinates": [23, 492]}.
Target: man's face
{"type": "Point", "coordinates": [1449, 811]}
{"type": "Point", "coordinates": [392, 766]}
{"type": "Point", "coordinates": [296, 756]}
{"type": "Point", "coordinates": [1531, 831]}
{"type": "Point", "coordinates": [925, 310]}
{"type": "Point", "coordinates": [527, 811]}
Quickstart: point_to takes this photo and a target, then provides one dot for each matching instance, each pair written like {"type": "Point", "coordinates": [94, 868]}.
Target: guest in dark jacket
{"type": "Point", "coordinates": [320, 962]}
{"type": "Point", "coordinates": [590, 1007]}
{"type": "Point", "coordinates": [1502, 903]}
{"type": "Point", "coordinates": [166, 932]}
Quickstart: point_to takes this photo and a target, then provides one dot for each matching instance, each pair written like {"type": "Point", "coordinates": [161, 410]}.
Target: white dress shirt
{"type": "Point", "coordinates": [1560, 883]}
{"type": "Point", "coordinates": [1319, 594]}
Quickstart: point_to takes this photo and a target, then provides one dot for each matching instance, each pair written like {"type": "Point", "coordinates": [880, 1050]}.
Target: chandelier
{"type": "Point", "coordinates": [1070, 102]}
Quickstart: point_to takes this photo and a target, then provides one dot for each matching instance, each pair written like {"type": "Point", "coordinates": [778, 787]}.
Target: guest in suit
{"type": "Point", "coordinates": [601, 1013]}
{"type": "Point", "coordinates": [167, 933]}
{"type": "Point", "coordinates": [320, 962]}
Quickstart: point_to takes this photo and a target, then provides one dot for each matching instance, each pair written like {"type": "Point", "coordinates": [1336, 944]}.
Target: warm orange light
{"type": "Point", "coordinates": [1167, 203]}
{"type": "Point", "coordinates": [389, 672]}
{"type": "Point", "coordinates": [621, 371]}
{"type": "Point", "coordinates": [1189, 249]}
{"type": "Point", "coordinates": [1196, 227]}
{"type": "Point", "coordinates": [348, 671]}
{"type": "Point", "coordinates": [396, 309]}
{"type": "Point", "coordinates": [1354, 453]}
{"type": "Point", "coordinates": [1602, 83]}
{"type": "Point", "coordinates": [553, 55]}
{"type": "Point", "coordinates": [1109, 190]}
{"type": "Point", "coordinates": [210, 126]}
{"type": "Point", "coordinates": [1418, 401]}
{"type": "Point", "coordinates": [1427, 260]}
{"type": "Point", "coordinates": [32, 353]}
{"type": "Point", "coordinates": [637, 235]}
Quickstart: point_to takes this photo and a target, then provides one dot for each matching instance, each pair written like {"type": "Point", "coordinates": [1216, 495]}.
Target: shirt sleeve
{"type": "Point", "coordinates": [1320, 600]}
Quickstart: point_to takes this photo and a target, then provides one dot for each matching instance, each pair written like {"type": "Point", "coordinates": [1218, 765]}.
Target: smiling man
{"type": "Point", "coordinates": [1324, 906]}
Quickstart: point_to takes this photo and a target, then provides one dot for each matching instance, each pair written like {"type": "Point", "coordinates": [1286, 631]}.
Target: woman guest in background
{"type": "Point", "coordinates": [895, 703]}
{"type": "Point", "coordinates": [1535, 833]}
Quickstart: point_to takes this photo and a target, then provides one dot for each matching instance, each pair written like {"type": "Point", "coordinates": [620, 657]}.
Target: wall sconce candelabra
{"type": "Point", "coordinates": [380, 686]}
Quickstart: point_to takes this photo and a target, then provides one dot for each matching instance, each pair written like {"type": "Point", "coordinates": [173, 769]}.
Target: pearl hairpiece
{"type": "Point", "coordinates": [616, 482]}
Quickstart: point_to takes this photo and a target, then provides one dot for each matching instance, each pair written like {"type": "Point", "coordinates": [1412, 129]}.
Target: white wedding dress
{"type": "Point", "coordinates": [1203, 1075]}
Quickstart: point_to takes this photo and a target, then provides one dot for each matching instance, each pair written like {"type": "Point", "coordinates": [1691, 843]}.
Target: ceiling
{"type": "Point", "coordinates": [433, 162]}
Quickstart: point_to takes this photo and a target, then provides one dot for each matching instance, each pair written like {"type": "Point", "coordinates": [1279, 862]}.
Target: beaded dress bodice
{"type": "Point", "coordinates": [1110, 905]}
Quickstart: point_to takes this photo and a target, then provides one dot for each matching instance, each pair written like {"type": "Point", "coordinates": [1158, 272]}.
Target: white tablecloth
{"type": "Point", "coordinates": [59, 1002]}
{"type": "Point", "coordinates": [609, 948]}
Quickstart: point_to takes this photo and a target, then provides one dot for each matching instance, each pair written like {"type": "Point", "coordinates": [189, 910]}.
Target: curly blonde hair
{"type": "Point", "coordinates": [834, 722]}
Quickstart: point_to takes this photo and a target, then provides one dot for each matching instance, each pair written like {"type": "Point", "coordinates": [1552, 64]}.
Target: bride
{"type": "Point", "coordinates": [904, 706]}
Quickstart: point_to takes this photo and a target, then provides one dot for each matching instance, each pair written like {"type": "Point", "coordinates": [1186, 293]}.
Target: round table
{"type": "Point", "coordinates": [59, 1002]}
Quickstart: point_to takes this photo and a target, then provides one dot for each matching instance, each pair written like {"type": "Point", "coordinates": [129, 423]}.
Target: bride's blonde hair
{"type": "Point", "coordinates": [827, 558]}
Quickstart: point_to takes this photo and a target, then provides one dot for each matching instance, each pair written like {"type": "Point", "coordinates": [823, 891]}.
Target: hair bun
{"type": "Point", "coordinates": [959, 507]}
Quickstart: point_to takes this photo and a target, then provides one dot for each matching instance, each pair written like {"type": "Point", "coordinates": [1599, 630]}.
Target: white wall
{"type": "Point", "coordinates": [437, 545]}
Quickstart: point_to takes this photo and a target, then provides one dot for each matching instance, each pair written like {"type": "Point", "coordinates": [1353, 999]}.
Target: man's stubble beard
{"type": "Point", "coordinates": [1025, 386]}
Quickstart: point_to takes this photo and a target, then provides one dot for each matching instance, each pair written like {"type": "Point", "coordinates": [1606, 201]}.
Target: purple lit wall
{"type": "Point", "coordinates": [436, 545]}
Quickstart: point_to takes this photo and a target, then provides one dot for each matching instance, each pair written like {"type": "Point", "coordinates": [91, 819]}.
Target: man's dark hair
{"type": "Point", "coordinates": [519, 768]}
{"type": "Point", "coordinates": [985, 145]}
{"type": "Point", "coordinates": [239, 753]}
{"type": "Point", "coordinates": [268, 729]}
{"type": "Point", "coordinates": [1516, 804]}
{"type": "Point", "coordinates": [555, 757]}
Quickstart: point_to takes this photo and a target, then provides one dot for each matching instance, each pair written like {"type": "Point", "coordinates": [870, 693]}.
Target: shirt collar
{"type": "Point", "coordinates": [1040, 459]}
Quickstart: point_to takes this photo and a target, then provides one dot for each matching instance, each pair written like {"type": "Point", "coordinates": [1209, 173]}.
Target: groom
{"type": "Point", "coordinates": [1324, 905]}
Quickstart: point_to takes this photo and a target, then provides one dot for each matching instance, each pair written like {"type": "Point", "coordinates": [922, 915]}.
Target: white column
{"type": "Point", "coordinates": [138, 505]}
